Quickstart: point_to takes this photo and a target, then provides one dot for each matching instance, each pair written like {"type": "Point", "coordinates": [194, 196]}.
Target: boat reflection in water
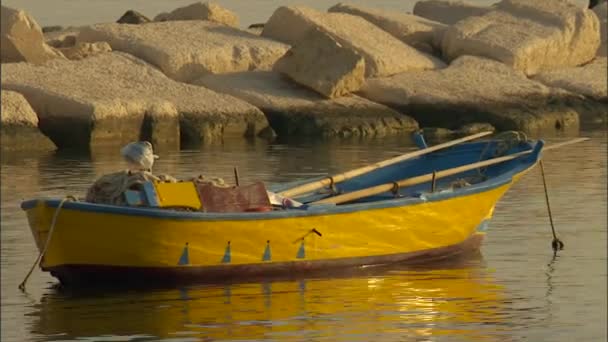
{"type": "Point", "coordinates": [459, 299]}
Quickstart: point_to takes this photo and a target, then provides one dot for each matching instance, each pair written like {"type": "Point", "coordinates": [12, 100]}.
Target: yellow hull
{"type": "Point", "coordinates": [84, 237]}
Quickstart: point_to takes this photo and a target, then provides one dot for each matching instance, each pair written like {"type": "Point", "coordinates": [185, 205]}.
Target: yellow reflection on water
{"type": "Point", "coordinates": [382, 304]}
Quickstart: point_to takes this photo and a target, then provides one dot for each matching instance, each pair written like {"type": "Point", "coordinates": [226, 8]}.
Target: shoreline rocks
{"type": "Point", "coordinates": [20, 125]}
{"type": "Point", "coordinates": [588, 80]}
{"type": "Point", "coordinates": [21, 39]}
{"type": "Point", "coordinates": [474, 89]}
{"type": "Point", "coordinates": [293, 110]}
{"type": "Point", "coordinates": [527, 36]}
{"type": "Point", "coordinates": [416, 31]}
{"type": "Point", "coordinates": [201, 11]}
{"type": "Point", "coordinates": [187, 50]}
{"type": "Point", "coordinates": [114, 98]}
{"type": "Point", "coordinates": [384, 54]}
{"type": "Point", "coordinates": [351, 71]}
{"type": "Point", "coordinates": [342, 70]}
{"type": "Point", "coordinates": [447, 11]}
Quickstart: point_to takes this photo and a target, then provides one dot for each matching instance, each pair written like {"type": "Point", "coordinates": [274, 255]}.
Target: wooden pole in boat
{"type": "Point", "coordinates": [308, 187]}
{"type": "Point", "coordinates": [378, 189]}
{"type": "Point", "coordinates": [556, 244]}
{"type": "Point", "coordinates": [236, 176]}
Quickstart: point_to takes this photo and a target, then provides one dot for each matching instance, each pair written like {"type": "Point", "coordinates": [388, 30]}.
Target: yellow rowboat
{"type": "Point", "coordinates": [417, 220]}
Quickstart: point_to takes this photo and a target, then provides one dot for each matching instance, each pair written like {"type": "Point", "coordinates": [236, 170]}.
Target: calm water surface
{"type": "Point", "coordinates": [512, 291]}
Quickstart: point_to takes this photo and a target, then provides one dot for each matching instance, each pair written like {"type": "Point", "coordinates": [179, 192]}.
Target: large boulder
{"type": "Point", "coordinates": [114, 98]}
{"type": "Point", "coordinates": [588, 80]}
{"type": "Point", "coordinates": [293, 110]}
{"type": "Point", "coordinates": [531, 36]}
{"type": "Point", "coordinates": [342, 70]}
{"type": "Point", "coordinates": [384, 54]}
{"type": "Point", "coordinates": [474, 89]}
{"type": "Point", "coordinates": [448, 12]}
{"type": "Point", "coordinates": [21, 39]}
{"type": "Point", "coordinates": [187, 50]}
{"type": "Point", "coordinates": [201, 11]}
{"type": "Point", "coordinates": [411, 29]}
{"type": "Point", "coordinates": [20, 125]}
{"type": "Point", "coordinates": [133, 17]}
{"type": "Point", "coordinates": [601, 10]}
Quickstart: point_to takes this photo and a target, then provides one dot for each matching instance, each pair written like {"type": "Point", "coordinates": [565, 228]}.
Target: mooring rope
{"type": "Point", "coordinates": [556, 244]}
{"type": "Point", "coordinates": [48, 239]}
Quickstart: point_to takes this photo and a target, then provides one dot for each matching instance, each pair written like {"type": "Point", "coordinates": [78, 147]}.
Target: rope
{"type": "Point", "coordinates": [48, 239]}
{"type": "Point", "coordinates": [556, 244]}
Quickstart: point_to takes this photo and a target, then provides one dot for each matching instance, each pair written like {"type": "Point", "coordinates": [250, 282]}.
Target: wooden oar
{"type": "Point", "coordinates": [308, 187]}
{"type": "Point", "coordinates": [378, 189]}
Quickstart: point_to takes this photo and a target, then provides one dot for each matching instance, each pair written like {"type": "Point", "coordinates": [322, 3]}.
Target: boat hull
{"type": "Point", "coordinates": [119, 276]}
{"type": "Point", "coordinates": [97, 245]}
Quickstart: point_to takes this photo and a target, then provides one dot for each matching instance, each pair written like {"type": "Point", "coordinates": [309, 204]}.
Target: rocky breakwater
{"type": "Point", "coordinates": [189, 49]}
{"type": "Point", "coordinates": [193, 76]}
{"type": "Point", "coordinates": [474, 89]}
{"type": "Point", "coordinates": [113, 98]}
{"type": "Point", "coordinates": [19, 129]}
{"type": "Point", "coordinates": [296, 111]}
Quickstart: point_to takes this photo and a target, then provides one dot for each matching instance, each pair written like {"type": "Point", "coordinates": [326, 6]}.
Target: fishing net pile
{"type": "Point", "coordinates": [110, 188]}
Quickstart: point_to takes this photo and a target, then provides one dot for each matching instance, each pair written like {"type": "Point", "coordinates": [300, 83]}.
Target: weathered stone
{"type": "Point", "coordinates": [187, 50]}
{"type": "Point", "coordinates": [114, 98]}
{"type": "Point", "coordinates": [342, 70]}
{"type": "Point", "coordinates": [474, 89]}
{"type": "Point", "coordinates": [294, 110]}
{"type": "Point", "coordinates": [133, 17]}
{"type": "Point", "coordinates": [201, 11]}
{"type": "Point", "coordinates": [21, 39]}
{"type": "Point", "coordinates": [62, 39]}
{"type": "Point", "coordinates": [411, 29]}
{"type": "Point", "coordinates": [384, 54]}
{"type": "Point", "coordinates": [531, 36]}
{"type": "Point", "coordinates": [601, 10]}
{"type": "Point", "coordinates": [54, 28]}
{"type": "Point", "coordinates": [448, 12]}
{"type": "Point", "coordinates": [475, 127]}
{"type": "Point", "coordinates": [20, 125]}
{"type": "Point", "coordinates": [588, 80]}
{"type": "Point", "coordinates": [84, 50]}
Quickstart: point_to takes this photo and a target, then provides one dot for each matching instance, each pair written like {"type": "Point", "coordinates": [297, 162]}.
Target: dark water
{"type": "Point", "coordinates": [512, 291]}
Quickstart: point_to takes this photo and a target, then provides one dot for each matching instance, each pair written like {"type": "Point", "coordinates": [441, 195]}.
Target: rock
{"type": "Point", "coordinates": [447, 11]}
{"type": "Point", "coordinates": [474, 128]}
{"type": "Point", "coordinates": [133, 17]}
{"type": "Point", "coordinates": [20, 125]}
{"type": "Point", "coordinates": [437, 132]}
{"type": "Point", "coordinates": [410, 29]}
{"type": "Point", "coordinates": [201, 11]}
{"type": "Point", "coordinates": [84, 50]}
{"type": "Point", "coordinates": [601, 10]}
{"type": "Point", "coordinates": [113, 98]}
{"type": "Point", "coordinates": [342, 70]}
{"type": "Point", "coordinates": [531, 36]}
{"type": "Point", "coordinates": [21, 39]}
{"type": "Point", "coordinates": [187, 50]}
{"type": "Point", "coordinates": [474, 89]}
{"type": "Point", "coordinates": [256, 29]}
{"type": "Point", "coordinates": [588, 80]}
{"type": "Point", "coordinates": [293, 110]}
{"type": "Point", "coordinates": [62, 39]}
{"type": "Point", "coordinates": [55, 28]}
{"type": "Point", "coordinates": [384, 54]}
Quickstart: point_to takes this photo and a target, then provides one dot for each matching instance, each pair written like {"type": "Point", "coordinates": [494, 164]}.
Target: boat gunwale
{"type": "Point", "coordinates": [487, 185]}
